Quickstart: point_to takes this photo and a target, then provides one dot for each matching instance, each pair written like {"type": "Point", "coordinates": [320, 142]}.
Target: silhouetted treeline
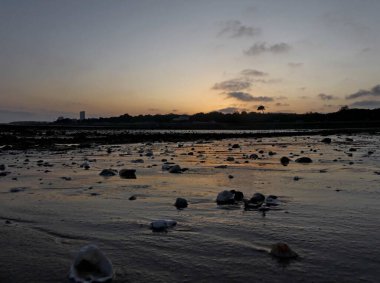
{"type": "Point", "coordinates": [361, 117]}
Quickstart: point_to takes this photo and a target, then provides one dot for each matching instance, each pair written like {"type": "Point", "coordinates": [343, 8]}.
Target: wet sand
{"type": "Point", "coordinates": [330, 216]}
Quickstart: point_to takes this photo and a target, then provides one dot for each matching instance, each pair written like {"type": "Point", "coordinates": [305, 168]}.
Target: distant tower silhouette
{"type": "Point", "coordinates": [82, 115]}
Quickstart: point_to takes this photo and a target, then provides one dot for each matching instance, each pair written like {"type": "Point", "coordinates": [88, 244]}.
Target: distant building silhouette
{"type": "Point", "coordinates": [82, 115]}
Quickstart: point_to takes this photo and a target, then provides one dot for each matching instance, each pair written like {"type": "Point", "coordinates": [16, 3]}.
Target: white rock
{"type": "Point", "coordinates": [91, 266]}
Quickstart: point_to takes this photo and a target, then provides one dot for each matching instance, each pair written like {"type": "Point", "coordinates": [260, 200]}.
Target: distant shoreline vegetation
{"type": "Point", "coordinates": [344, 118]}
{"type": "Point", "coordinates": [243, 120]}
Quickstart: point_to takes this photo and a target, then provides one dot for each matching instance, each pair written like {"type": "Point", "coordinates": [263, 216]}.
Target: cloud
{"type": "Point", "coordinates": [243, 96]}
{"type": "Point", "coordinates": [325, 96]}
{"type": "Point", "coordinates": [370, 104]}
{"type": "Point", "coordinates": [263, 47]}
{"type": "Point", "coordinates": [295, 65]}
{"type": "Point", "coordinates": [375, 91]}
{"type": "Point", "coordinates": [232, 85]}
{"type": "Point", "coordinates": [230, 110]}
{"type": "Point", "coordinates": [253, 73]}
{"type": "Point", "coordinates": [235, 29]}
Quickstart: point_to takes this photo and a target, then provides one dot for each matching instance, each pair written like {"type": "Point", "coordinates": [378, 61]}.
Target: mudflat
{"type": "Point", "coordinates": [53, 202]}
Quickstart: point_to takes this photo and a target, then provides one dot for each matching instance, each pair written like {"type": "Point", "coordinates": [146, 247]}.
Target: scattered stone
{"type": "Point", "coordinates": [230, 158]}
{"type": "Point", "coordinates": [91, 265]}
{"type": "Point", "coordinates": [108, 172]}
{"type": "Point", "coordinates": [271, 153]}
{"type": "Point", "coordinates": [8, 222]}
{"type": "Point", "coordinates": [4, 173]}
{"type": "Point", "coordinates": [283, 251]}
{"type": "Point", "coordinates": [255, 202]}
{"type": "Point", "coordinates": [66, 178]}
{"type": "Point", "coordinates": [272, 200]}
{"type": "Point", "coordinates": [296, 178]}
{"type": "Point", "coordinates": [304, 160]}
{"type": "Point", "coordinates": [127, 173]}
{"type": "Point", "coordinates": [221, 166]}
{"type": "Point", "coordinates": [132, 197]}
{"type": "Point", "coordinates": [285, 160]}
{"type": "Point", "coordinates": [235, 145]}
{"type": "Point", "coordinates": [85, 165]}
{"type": "Point", "coordinates": [138, 161]}
{"type": "Point", "coordinates": [162, 225]}
{"type": "Point", "coordinates": [230, 177]}
{"type": "Point", "coordinates": [238, 196]}
{"type": "Point", "coordinates": [16, 190]}
{"type": "Point", "coordinates": [326, 140]}
{"type": "Point", "coordinates": [225, 197]}
{"type": "Point", "coordinates": [180, 203]}
{"type": "Point", "coordinates": [352, 149]}
{"type": "Point", "coordinates": [253, 156]}
{"type": "Point", "coordinates": [2, 167]}
{"type": "Point", "coordinates": [176, 169]}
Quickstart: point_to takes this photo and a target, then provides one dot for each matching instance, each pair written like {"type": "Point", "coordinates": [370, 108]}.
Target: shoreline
{"type": "Point", "coordinates": [42, 137]}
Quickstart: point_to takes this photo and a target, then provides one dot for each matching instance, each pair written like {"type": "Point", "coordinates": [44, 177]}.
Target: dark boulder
{"type": "Point", "coordinates": [180, 203]}
{"type": "Point", "coordinates": [285, 160]}
{"type": "Point", "coordinates": [283, 251]}
{"type": "Point", "coordinates": [304, 160]}
{"type": "Point", "coordinates": [326, 140]}
{"type": "Point", "coordinates": [127, 173]}
{"type": "Point", "coordinates": [108, 172]}
{"type": "Point", "coordinates": [176, 169]}
{"type": "Point", "coordinates": [225, 197]}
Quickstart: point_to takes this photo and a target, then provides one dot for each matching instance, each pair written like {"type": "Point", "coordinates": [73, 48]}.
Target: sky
{"type": "Point", "coordinates": [109, 58]}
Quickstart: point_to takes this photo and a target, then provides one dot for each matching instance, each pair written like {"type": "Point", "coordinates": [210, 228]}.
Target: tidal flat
{"type": "Point", "coordinates": [52, 204]}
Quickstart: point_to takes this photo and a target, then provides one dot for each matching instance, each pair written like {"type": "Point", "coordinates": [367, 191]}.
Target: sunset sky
{"type": "Point", "coordinates": [145, 57]}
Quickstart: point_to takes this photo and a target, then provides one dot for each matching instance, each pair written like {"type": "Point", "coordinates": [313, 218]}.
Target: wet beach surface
{"type": "Point", "coordinates": [50, 207]}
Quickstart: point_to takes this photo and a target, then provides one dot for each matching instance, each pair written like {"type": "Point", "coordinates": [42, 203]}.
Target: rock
{"type": "Point", "coordinates": [225, 197]}
{"type": "Point", "coordinates": [180, 203]}
{"type": "Point", "coordinates": [352, 149]}
{"type": "Point", "coordinates": [162, 225]}
{"type": "Point", "coordinates": [176, 169]}
{"type": "Point", "coordinates": [127, 173]}
{"type": "Point", "coordinates": [91, 265]}
{"type": "Point", "coordinates": [257, 198]}
{"type": "Point", "coordinates": [296, 178]}
{"type": "Point", "coordinates": [283, 251]}
{"type": "Point", "coordinates": [271, 200]}
{"type": "Point", "coordinates": [271, 153]}
{"type": "Point", "coordinates": [4, 173]}
{"type": "Point", "coordinates": [253, 156]}
{"type": "Point", "coordinates": [221, 166]}
{"type": "Point", "coordinates": [304, 160]}
{"type": "Point", "coordinates": [2, 167]}
{"type": "Point", "coordinates": [255, 202]}
{"type": "Point", "coordinates": [284, 161]}
{"type": "Point", "coordinates": [326, 140]}
{"type": "Point", "coordinates": [230, 158]}
{"type": "Point", "coordinates": [235, 145]}
{"type": "Point", "coordinates": [108, 172]}
{"type": "Point", "coordinates": [230, 177]}
{"type": "Point", "coordinates": [238, 196]}
{"type": "Point", "coordinates": [66, 178]}
{"type": "Point", "coordinates": [85, 165]}
{"type": "Point", "coordinates": [132, 197]}
{"type": "Point", "coordinates": [16, 190]}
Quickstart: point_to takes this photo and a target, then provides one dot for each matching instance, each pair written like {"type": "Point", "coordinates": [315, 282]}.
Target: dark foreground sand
{"type": "Point", "coordinates": [330, 216]}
